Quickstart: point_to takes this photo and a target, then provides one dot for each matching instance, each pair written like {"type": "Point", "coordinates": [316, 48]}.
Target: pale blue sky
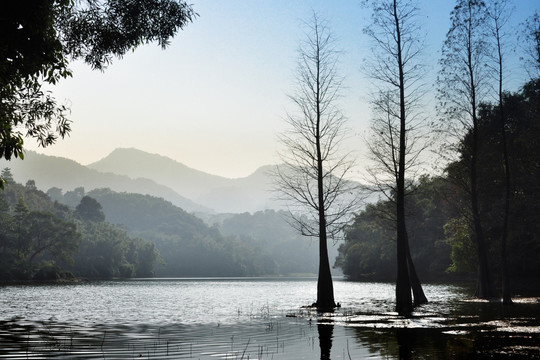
{"type": "Point", "coordinates": [216, 98]}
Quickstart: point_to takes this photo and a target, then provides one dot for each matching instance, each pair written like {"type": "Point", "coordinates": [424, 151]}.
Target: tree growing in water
{"type": "Point", "coordinates": [498, 15]}
{"type": "Point", "coordinates": [312, 179]}
{"type": "Point", "coordinates": [396, 142]}
{"type": "Point", "coordinates": [462, 86]}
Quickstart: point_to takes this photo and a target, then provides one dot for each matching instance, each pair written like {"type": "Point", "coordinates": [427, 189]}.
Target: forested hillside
{"type": "Point", "coordinates": [235, 245]}
{"type": "Point", "coordinates": [245, 244]}
{"type": "Point", "coordinates": [46, 240]}
{"type": "Point", "coordinates": [136, 171]}
{"type": "Point", "coordinates": [104, 234]}
{"type": "Point", "coordinates": [187, 245]}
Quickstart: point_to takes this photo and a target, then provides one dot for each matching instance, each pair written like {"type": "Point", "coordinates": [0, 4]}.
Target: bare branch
{"type": "Point", "coordinates": [312, 180]}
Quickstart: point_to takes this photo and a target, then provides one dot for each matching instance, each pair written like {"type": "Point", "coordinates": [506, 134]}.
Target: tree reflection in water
{"type": "Point", "coordinates": [326, 331]}
{"type": "Point", "coordinates": [405, 340]}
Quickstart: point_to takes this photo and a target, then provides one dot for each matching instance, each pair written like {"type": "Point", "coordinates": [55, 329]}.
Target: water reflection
{"type": "Point", "coordinates": [405, 340]}
{"type": "Point", "coordinates": [410, 343]}
{"type": "Point", "coordinates": [326, 331]}
{"type": "Point", "coordinates": [231, 319]}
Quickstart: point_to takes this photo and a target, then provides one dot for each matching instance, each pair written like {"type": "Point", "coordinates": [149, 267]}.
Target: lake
{"type": "Point", "coordinates": [257, 318]}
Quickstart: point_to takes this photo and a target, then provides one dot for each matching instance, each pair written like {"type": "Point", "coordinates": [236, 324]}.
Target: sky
{"type": "Point", "coordinates": [216, 98]}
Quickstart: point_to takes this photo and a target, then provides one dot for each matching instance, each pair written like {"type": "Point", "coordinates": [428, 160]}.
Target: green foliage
{"type": "Point", "coordinates": [107, 251]}
{"type": "Point", "coordinates": [50, 271]}
{"type": "Point", "coordinates": [158, 232]}
{"type": "Point", "coordinates": [40, 38]}
{"type": "Point", "coordinates": [242, 244]}
{"type": "Point", "coordinates": [90, 210]}
{"type": "Point", "coordinates": [30, 55]}
{"type": "Point", "coordinates": [369, 248]}
{"type": "Point", "coordinates": [73, 198]}
{"type": "Point", "coordinates": [44, 232]}
{"type": "Point", "coordinates": [97, 31]}
{"type": "Point", "coordinates": [459, 237]}
{"type": "Point", "coordinates": [41, 239]}
{"type": "Point", "coordinates": [30, 233]}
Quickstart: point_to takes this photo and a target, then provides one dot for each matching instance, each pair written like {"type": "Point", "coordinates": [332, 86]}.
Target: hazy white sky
{"type": "Point", "coordinates": [215, 99]}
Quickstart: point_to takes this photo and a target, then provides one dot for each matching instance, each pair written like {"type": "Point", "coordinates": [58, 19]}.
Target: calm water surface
{"type": "Point", "coordinates": [256, 319]}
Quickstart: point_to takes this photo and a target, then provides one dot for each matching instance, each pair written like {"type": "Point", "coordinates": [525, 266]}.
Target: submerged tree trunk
{"type": "Point", "coordinates": [403, 283]}
{"type": "Point", "coordinates": [418, 292]}
{"type": "Point", "coordinates": [325, 287]}
{"type": "Point", "coordinates": [506, 294]}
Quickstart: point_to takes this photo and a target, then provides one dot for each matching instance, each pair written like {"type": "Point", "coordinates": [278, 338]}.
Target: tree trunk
{"type": "Point", "coordinates": [506, 293]}
{"type": "Point", "coordinates": [507, 298]}
{"type": "Point", "coordinates": [325, 287]}
{"type": "Point", "coordinates": [485, 288]}
{"type": "Point", "coordinates": [418, 292]}
{"type": "Point", "coordinates": [403, 285]}
{"type": "Point", "coordinates": [405, 266]}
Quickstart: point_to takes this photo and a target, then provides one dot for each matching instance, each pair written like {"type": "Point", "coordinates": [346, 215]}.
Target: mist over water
{"type": "Point", "coordinates": [255, 318]}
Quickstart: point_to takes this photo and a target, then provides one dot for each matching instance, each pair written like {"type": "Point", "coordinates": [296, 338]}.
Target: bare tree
{"type": "Point", "coordinates": [313, 177]}
{"type": "Point", "coordinates": [462, 85]}
{"type": "Point", "coordinates": [498, 14]}
{"type": "Point", "coordinates": [396, 138]}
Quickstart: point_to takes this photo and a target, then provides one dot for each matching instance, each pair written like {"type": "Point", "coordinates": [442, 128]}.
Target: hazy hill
{"type": "Point", "coordinates": [189, 246]}
{"type": "Point", "coordinates": [222, 194]}
{"type": "Point", "coordinates": [51, 171]}
{"type": "Point", "coordinates": [139, 164]}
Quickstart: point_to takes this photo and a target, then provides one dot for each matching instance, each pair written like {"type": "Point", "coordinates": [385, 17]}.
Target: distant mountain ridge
{"type": "Point", "coordinates": [66, 174]}
{"type": "Point", "coordinates": [136, 171]}
{"type": "Point", "coordinates": [139, 164]}
{"type": "Point", "coordinates": [248, 194]}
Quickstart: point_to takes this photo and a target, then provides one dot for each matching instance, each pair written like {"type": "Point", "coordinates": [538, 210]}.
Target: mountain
{"type": "Point", "coordinates": [248, 194]}
{"type": "Point", "coordinates": [51, 171]}
{"type": "Point", "coordinates": [163, 170]}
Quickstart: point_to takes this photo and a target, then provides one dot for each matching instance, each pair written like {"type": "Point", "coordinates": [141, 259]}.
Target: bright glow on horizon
{"type": "Point", "coordinates": [215, 99]}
